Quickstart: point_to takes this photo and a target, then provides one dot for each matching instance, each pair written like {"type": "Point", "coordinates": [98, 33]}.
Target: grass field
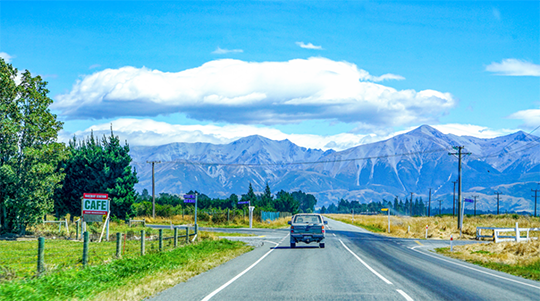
{"type": "Point", "coordinates": [131, 278]}
{"type": "Point", "coordinates": [520, 259]}
{"type": "Point", "coordinates": [439, 227]}
{"type": "Point", "coordinates": [237, 222]}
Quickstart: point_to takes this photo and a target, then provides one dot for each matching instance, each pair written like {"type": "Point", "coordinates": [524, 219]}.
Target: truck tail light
{"type": "Point", "coordinates": [322, 228]}
{"type": "Point", "coordinates": [292, 229]}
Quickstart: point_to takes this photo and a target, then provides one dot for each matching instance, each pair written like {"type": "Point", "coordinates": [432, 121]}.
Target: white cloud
{"type": "Point", "coordinates": [514, 67]}
{"type": "Point", "coordinates": [224, 51]}
{"type": "Point", "coordinates": [150, 132]}
{"type": "Point", "coordinates": [309, 46]}
{"type": "Point", "coordinates": [471, 130]}
{"type": "Point", "coordinates": [94, 66]}
{"type": "Point", "coordinates": [530, 118]}
{"type": "Point", "coordinates": [241, 92]}
{"type": "Point", "coordinates": [6, 57]}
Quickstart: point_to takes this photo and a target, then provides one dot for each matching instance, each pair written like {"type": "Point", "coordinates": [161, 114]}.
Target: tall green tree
{"type": "Point", "coordinates": [97, 166]}
{"type": "Point", "coordinates": [29, 151]}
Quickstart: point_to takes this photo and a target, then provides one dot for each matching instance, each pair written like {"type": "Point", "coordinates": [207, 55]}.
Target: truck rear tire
{"type": "Point", "coordinates": [293, 245]}
{"type": "Point", "coordinates": [321, 245]}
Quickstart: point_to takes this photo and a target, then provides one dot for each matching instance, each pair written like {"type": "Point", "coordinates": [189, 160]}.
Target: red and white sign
{"type": "Point", "coordinates": [95, 203]}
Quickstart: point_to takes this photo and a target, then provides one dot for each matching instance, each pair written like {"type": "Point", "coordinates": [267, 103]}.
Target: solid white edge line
{"type": "Point", "coordinates": [407, 297]}
{"type": "Point", "coordinates": [364, 263]}
{"type": "Point", "coordinates": [471, 268]}
{"type": "Point", "coordinates": [212, 294]}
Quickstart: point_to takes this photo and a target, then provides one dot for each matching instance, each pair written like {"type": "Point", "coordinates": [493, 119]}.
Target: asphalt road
{"type": "Point", "coordinates": [355, 265]}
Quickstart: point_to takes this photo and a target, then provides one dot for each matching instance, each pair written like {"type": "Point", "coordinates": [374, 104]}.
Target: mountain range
{"type": "Point", "coordinates": [418, 162]}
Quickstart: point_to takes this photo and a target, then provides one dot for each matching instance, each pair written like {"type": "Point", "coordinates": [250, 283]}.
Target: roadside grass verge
{"type": "Point", "coordinates": [128, 278]}
{"type": "Point", "coordinates": [439, 227]}
{"type": "Point", "coordinates": [516, 258]}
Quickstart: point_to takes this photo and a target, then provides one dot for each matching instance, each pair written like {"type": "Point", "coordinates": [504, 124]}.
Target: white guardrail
{"type": "Point", "coordinates": [497, 237]}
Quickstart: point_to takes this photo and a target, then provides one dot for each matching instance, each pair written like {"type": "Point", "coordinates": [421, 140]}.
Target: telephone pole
{"type": "Point", "coordinates": [440, 207]}
{"type": "Point", "coordinates": [153, 188]}
{"type": "Point", "coordinates": [535, 196]}
{"type": "Point", "coordinates": [429, 210]}
{"type": "Point", "coordinates": [411, 204]}
{"type": "Point", "coordinates": [475, 196]}
{"type": "Point", "coordinates": [459, 155]}
{"type": "Point", "coordinates": [454, 200]}
{"type": "Point", "coordinates": [497, 193]}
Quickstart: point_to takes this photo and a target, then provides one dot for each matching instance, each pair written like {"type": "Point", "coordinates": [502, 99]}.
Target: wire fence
{"type": "Point", "coordinates": [24, 259]}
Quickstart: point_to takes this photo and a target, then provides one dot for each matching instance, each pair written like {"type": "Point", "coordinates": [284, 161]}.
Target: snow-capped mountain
{"type": "Point", "coordinates": [415, 162]}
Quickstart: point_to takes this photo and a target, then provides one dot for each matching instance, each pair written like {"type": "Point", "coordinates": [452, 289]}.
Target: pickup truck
{"type": "Point", "coordinates": [307, 228]}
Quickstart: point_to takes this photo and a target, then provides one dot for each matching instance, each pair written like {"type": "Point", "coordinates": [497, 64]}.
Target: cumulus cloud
{"type": "Point", "coordinates": [149, 132]}
{"type": "Point", "coordinates": [241, 92]}
{"type": "Point", "coordinates": [514, 67]}
{"type": "Point", "coordinates": [530, 118]}
{"type": "Point", "coordinates": [6, 57]}
{"type": "Point", "coordinates": [224, 51]}
{"type": "Point", "coordinates": [309, 46]}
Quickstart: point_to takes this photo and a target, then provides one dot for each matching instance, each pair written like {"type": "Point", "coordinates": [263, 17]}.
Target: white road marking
{"type": "Point", "coordinates": [471, 268]}
{"type": "Point", "coordinates": [407, 297]}
{"type": "Point", "coordinates": [212, 294]}
{"type": "Point", "coordinates": [333, 234]}
{"type": "Point", "coordinates": [367, 266]}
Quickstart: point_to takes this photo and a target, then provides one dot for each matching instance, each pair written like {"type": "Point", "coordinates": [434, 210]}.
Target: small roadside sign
{"type": "Point", "coordinates": [243, 202]}
{"type": "Point", "coordinates": [95, 203]}
{"type": "Point", "coordinates": [469, 200]}
{"type": "Point", "coordinates": [189, 198]}
{"type": "Point", "coordinates": [384, 209]}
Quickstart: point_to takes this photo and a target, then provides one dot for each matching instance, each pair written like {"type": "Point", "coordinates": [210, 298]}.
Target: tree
{"type": "Point", "coordinates": [99, 167]}
{"type": "Point", "coordinates": [250, 196]}
{"type": "Point", "coordinates": [29, 151]}
{"type": "Point", "coordinates": [286, 203]}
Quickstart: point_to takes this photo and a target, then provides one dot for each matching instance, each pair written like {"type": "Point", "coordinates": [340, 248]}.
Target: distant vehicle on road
{"type": "Point", "coordinates": [307, 228]}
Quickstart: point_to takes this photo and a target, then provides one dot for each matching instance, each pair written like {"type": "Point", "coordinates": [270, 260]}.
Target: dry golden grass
{"type": "Point", "coordinates": [510, 253]}
{"type": "Point", "coordinates": [236, 222]}
{"type": "Point", "coordinates": [438, 227]}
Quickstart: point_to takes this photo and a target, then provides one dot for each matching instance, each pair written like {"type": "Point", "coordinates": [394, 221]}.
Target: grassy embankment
{"type": "Point", "coordinates": [520, 259]}
{"type": "Point", "coordinates": [130, 278]}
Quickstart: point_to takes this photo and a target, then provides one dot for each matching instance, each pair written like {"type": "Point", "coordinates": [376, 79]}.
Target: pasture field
{"type": "Point", "coordinates": [439, 227]}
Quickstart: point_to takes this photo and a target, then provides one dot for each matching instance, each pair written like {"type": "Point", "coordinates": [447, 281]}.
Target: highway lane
{"type": "Point", "coordinates": [355, 264]}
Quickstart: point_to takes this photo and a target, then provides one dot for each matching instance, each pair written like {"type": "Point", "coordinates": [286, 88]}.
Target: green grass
{"type": "Point", "coordinates": [18, 259]}
{"type": "Point", "coordinates": [372, 228]}
{"type": "Point", "coordinates": [78, 283]}
{"type": "Point", "coordinates": [530, 271]}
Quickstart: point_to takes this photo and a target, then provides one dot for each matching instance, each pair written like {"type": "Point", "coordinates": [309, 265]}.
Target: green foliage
{"type": "Point", "coordinates": [97, 167]}
{"type": "Point", "coordinates": [29, 153]}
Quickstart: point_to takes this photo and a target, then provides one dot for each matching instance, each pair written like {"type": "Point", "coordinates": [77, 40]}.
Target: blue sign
{"type": "Point", "coordinates": [189, 198]}
{"type": "Point", "coordinates": [243, 202]}
{"type": "Point", "coordinates": [469, 200]}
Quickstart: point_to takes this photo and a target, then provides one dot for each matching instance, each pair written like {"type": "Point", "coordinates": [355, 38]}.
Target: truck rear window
{"type": "Point", "coordinates": [307, 219]}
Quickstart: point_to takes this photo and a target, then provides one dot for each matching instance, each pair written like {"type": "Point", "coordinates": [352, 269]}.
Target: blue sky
{"type": "Point", "coordinates": [323, 74]}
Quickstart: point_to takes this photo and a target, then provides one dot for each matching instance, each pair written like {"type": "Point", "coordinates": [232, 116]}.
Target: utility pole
{"type": "Point", "coordinates": [459, 154]}
{"type": "Point", "coordinates": [440, 207]}
{"type": "Point", "coordinates": [535, 196]}
{"type": "Point", "coordinates": [497, 193]}
{"type": "Point", "coordinates": [475, 196]}
{"type": "Point", "coordinates": [429, 210]}
{"type": "Point", "coordinates": [411, 204]}
{"type": "Point", "coordinates": [454, 200]}
{"type": "Point", "coordinates": [153, 188]}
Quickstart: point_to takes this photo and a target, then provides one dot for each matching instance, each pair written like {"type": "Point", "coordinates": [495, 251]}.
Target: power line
{"type": "Point", "coordinates": [186, 162]}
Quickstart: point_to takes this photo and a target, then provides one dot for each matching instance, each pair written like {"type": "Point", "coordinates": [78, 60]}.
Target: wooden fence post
{"type": "Point", "coordinates": [118, 245]}
{"type": "Point", "coordinates": [187, 235]}
{"type": "Point", "coordinates": [41, 252]}
{"type": "Point", "coordinates": [85, 249]}
{"type": "Point", "coordinates": [160, 240]}
{"type": "Point", "coordinates": [175, 237]}
{"type": "Point", "coordinates": [142, 242]}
